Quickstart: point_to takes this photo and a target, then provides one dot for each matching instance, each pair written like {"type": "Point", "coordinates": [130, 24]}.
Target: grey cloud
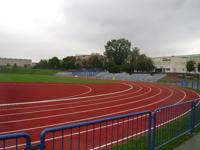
{"type": "Point", "coordinates": [157, 27]}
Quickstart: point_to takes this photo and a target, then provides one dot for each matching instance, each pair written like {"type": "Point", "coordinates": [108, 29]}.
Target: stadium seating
{"type": "Point", "coordinates": [142, 77]}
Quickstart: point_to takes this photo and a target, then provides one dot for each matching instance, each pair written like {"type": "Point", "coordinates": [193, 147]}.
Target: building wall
{"type": "Point", "coordinates": [176, 64]}
{"type": "Point", "coordinates": [13, 61]}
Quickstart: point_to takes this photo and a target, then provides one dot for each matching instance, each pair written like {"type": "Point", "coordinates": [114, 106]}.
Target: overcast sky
{"type": "Point", "coordinates": [39, 29]}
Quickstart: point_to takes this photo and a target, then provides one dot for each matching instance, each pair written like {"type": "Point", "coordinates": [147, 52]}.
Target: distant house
{"type": "Point", "coordinates": [174, 64]}
{"type": "Point", "coordinates": [15, 62]}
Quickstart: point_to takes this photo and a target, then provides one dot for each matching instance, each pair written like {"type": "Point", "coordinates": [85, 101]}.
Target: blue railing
{"type": "Point", "coordinates": [171, 122]}
{"type": "Point", "coordinates": [101, 134]}
{"type": "Point", "coordinates": [15, 141]}
{"type": "Point", "coordinates": [132, 131]}
{"type": "Point", "coordinates": [186, 84]}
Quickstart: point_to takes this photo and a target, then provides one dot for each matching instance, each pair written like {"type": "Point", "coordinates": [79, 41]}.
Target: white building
{"type": "Point", "coordinates": [175, 64]}
{"type": "Point", "coordinates": [15, 61]}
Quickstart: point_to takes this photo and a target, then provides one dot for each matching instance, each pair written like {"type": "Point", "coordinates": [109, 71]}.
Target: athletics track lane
{"type": "Point", "coordinates": [152, 95]}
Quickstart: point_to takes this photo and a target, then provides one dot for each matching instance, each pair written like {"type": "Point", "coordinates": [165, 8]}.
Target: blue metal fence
{"type": "Point", "coordinates": [197, 113]}
{"type": "Point", "coordinates": [186, 84]}
{"type": "Point", "coordinates": [15, 141]}
{"type": "Point", "coordinates": [123, 131]}
{"type": "Point", "coordinates": [132, 131]}
{"type": "Point", "coordinates": [172, 122]}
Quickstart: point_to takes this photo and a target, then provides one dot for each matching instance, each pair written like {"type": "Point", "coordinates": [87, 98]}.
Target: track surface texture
{"type": "Point", "coordinates": [33, 107]}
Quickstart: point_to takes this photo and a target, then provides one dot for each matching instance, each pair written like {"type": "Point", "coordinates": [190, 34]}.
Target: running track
{"type": "Point", "coordinates": [50, 105]}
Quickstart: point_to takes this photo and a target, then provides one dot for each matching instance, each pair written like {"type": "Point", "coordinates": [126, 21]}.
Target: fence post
{"type": "Point", "coordinates": [154, 130]}
{"type": "Point", "coordinates": [42, 140]}
{"type": "Point", "coordinates": [192, 117]}
{"type": "Point", "coordinates": [149, 131]}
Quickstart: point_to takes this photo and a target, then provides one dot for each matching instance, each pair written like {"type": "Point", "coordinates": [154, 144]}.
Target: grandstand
{"type": "Point", "coordinates": [117, 76]}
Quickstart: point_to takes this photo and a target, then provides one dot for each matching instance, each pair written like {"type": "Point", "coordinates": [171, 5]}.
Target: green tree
{"type": "Point", "coordinates": [198, 66]}
{"type": "Point", "coordinates": [117, 51]}
{"type": "Point", "coordinates": [133, 60]}
{"type": "Point", "coordinates": [54, 62]}
{"type": "Point", "coordinates": [42, 64]}
{"type": "Point", "coordinates": [190, 65]}
{"type": "Point", "coordinates": [144, 64]}
{"type": "Point", "coordinates": [112, 67]}
{"type": "Point", "coordinates": [69, 62]}
{"type": "Point", "coordinates": [95, 61]}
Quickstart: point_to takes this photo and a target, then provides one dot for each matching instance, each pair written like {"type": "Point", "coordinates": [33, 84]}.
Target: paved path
{"type": "Point", "coordinates": [192, 144]}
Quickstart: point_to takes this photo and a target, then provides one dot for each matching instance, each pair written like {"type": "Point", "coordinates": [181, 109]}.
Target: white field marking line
{"type": "Point", "coordinates": [89, 91]}
{"type": "Point", "coordinates": [183, 97]}
{"type": "Point", "coordinates": [84, 131]}
{"type": "Point", "coordinates": [183, 90]}
{"type": "Point", "coordinates": [90, 118]}
{"type": "Point", "coordinates": [74, 98]}
{"type": "Point", "coordinates": [63, 108]}
{"type": "Point", "coordinates": [74, 102]}
{"type": "Point", "coordinates": [198, 103]}
{"type": "Point", "coordinates": [89, 110]}
{"type": "Point", "coordinates": [83, 101]}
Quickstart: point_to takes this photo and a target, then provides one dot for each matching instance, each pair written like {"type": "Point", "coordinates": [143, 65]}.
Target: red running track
{"type": "Point", "coordinates": [50, 105]}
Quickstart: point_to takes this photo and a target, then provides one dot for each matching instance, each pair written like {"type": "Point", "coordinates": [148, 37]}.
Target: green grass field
{"type": "Point", "coordinates": [33, 78]}
{"type": "Point", "coordinates": [29, 75]}
{"type": "Point", "coordinates": [22, 70]}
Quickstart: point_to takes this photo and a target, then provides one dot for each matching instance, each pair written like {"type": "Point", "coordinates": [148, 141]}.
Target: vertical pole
{"type": "Point", "coordinates": [192, 117]}
{"type": "Point", "coordinates": [149, 131]}
{"type": "Point", "coordinates": [154, 129]}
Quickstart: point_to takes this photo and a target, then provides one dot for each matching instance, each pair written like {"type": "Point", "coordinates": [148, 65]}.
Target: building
{"type": "Point", "coordinates": [15, 62]}
{"type": "Point", "coordinates": [86, 57]}
{"type": "Point", "coordinates": [174, 64]}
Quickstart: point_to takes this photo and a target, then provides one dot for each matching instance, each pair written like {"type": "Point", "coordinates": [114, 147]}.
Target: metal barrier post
{"type": "Point", "coordinates": [192, 117]}
{"type": "Point", "coordinates": [17, 136]}
{"type": "Point", "coordinates": [149, 131]}
{"type": "Point", "coordinates": [42, 140]}
{"type": "Point", "coordinates": [154, 130]}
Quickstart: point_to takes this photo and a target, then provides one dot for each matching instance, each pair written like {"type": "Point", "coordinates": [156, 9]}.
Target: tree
{"type": "Point", "coordinates": [117, 51]}
{"type": "Point", "coordinates": [134, 55]}
{"type": "Point", "coordinates": [112, 67]}
{"type": "Point", "coordinates": [69, 62]}
{"type": "Point", "coordinates": [42, 64]}
{"type": "Point", "coordinates": [198, 66]}
{"type": "Point", "coordinates": [144, 64]}
{"type": "Point", "coordinates": [95, 61]}
{"type": "Point", "coordinates": [190, 65]}
{"type": "Point", "coordinates": [54, 62]}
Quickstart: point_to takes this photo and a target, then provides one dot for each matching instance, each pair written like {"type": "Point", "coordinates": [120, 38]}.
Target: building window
{"type": "Point", "coordinates": [167, 69]}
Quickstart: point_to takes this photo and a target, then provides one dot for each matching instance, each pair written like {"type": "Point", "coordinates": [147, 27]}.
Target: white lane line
{"type": "Point", "coordinates": [85, 105]}
{"type": "Point", "coordinates": [75, 102]}
{"type": "Point", "coordinates": [64, 103]}
{"type": "Point", "coordinates": [67, 99]}
{"type": "Point", "coordinates": [96, 117]}
{"type": "Point", "coordinates": [79, 94]}
{"type": "Point", "coordinates": [184, 93]}
{"type": "Point", "coordinates": [88, 110]}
